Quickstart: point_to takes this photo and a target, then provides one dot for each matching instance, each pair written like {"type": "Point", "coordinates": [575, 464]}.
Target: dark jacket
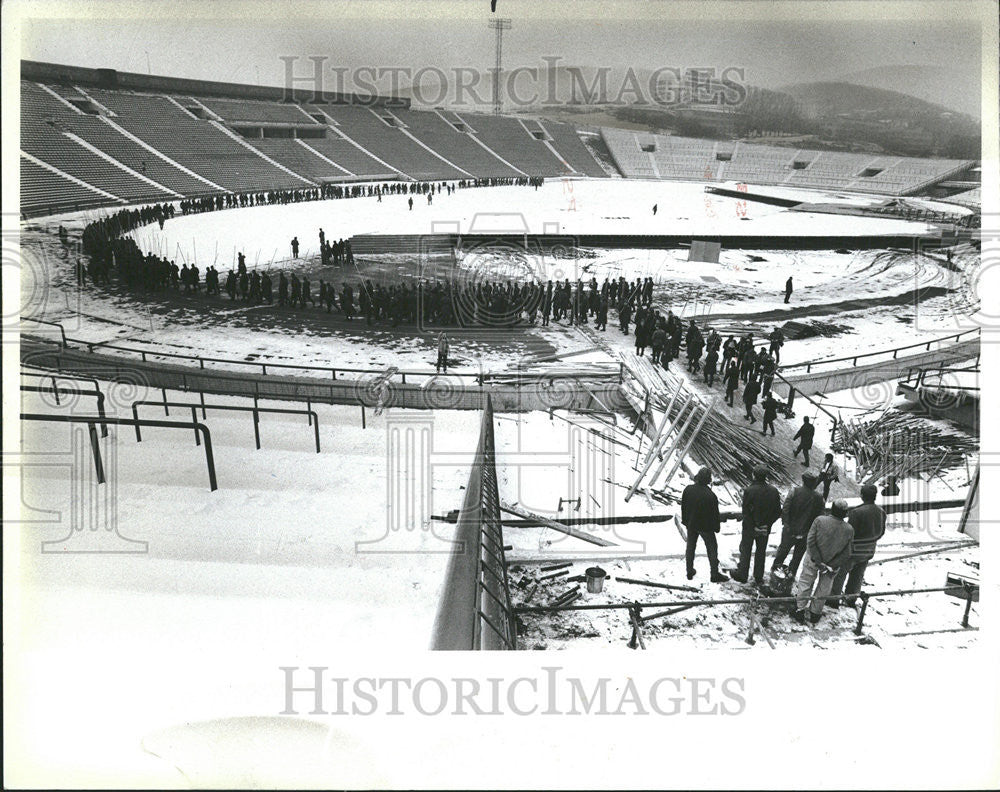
{"type": "Point", "coordinates": [802, 506]}
{"type": "Point", "coordinates": [806, 432]}
{"type": "Point", "coordinates": [868, 522]}
{"type": "Point", "coordinates": [761, 505]}
{"type": "Point", "coordinates": [700, 509]}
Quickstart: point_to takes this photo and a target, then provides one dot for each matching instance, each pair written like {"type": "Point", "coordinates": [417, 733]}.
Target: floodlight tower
{"type": "Point", "coordinates": [499, 25]}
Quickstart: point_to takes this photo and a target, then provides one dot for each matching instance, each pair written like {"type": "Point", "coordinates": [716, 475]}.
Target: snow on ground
{"type": "Point", "coordinates": [745, 290]}
{"type": "Point", "coordinates": [262, 573]}
{"type": "Point", "coordinates": [577, 206]}
{"type": "Point", "coordinates": [931, 620]}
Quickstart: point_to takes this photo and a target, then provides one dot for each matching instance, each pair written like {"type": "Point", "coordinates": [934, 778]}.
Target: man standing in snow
{"type": "Point", "coordinates": [828, 547]}
{"type": "Point", "coordinates": [442, 358]}
{"type": "Point", "coordinates": [732, 377]}
{"type": "Point", "coordinates": [770, 412]}
{"type": "Point", "coordinates": [868, 522]}
{"type": "Point", "coordinates": [778, 338]}
{"type": "Point", "coordinates": [788, 289]}
{"type": "Point", "coordinates": [761, 507]}
{"type": "Point", "coordinates": [802, 505]}
{"type": "Point", "coordinates": [750, 394]}
{"type": "Point", "coordinates": [805, 438]}
{"type": "Point", "coordinates": [700, 515]}
{"type": "Point", "coordinates": [295, 247]}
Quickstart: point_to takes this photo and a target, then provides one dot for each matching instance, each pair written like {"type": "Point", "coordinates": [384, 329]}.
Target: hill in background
{"type": "Point", "coordinates": [955, 90]}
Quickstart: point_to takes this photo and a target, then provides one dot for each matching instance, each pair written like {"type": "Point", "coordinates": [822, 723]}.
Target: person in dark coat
{"type": "Point", "coordinates": [732, 377]}
{"type": "Point", "coordinates": [761, 507]}
{"type": "Point", "coordinates": [788, 289]}
{"type": "Point", "coordinates": [868, 522]}
{"type": "Point", "coordinates": [805, 438]}
{"type": "Point", "coordinates": [777, 340]}
{"type": "Point", "coordinates": [625, 316]}
{"type": "Point", "coordinates": [658, 340]}
{"type": "Point", "coordinates": [750, 393]}
{"type": "Point", "coordinates": [700, 515]}
{"type": "Point", "coordinates": [770, 412]}
{"type": "Point", "coordinates": [748, 364]}
{"type": "Point", "coordinates": [711, 364]}
{"type": "Point", "coordinates": [282, 289]}
{"type": "Point", "coordinates": [295, 247]}
{"type": "Point", "coordinates": [802, 505]}
{"type": "Point", "coordinates": [695, 343]}
{"type": "Point", "coordinates": [642, 333]}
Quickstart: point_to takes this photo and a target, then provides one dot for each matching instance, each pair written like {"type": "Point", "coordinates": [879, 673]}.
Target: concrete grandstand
{"type": "Point", "coordinates": [93, 137]}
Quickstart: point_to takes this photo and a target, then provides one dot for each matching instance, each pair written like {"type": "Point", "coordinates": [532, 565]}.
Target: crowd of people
{"type": "Point", "coordinates": [108, 252]}
{"type": "Point", "coordinates": [236, 200]}
{"type": "Point", "coordinates": [833, 550]}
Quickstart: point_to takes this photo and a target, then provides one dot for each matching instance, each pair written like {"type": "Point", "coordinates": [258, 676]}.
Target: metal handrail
{"type": "Point", "coordinates": [62, 330]}
{"type": "Point", "coordinates": [855, 358]}
{"type": "Point", "coordinates": [255, 410]}
{"type": "Point", "coordinates": [475, 609]}
{"type": "Point", "coordinates": [638, 606]}
{"type": "Point", "coordinates": [480, 377]}
{"type": "Point", "coordinates": [93, 420]}
{"type": "Point", "coordinates": [78, 392]}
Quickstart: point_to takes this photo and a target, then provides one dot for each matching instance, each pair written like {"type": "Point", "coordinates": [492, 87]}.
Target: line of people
{"type": "Point", "coordinates": [833, 549]}
{"type": "Point", "coordinates": [235, 200]}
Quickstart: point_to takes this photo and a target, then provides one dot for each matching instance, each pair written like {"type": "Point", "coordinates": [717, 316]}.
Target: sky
{"type": "Point", "coordinates": [246, 43]}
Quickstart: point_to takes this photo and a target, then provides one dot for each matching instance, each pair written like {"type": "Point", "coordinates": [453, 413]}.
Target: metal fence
{"type": "Point", "coordinates": [892, 354]}
{"type": "Point", "coordinates": [475, 610]}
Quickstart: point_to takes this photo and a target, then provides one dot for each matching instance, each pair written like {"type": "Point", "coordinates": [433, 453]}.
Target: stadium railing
{"type": "Point", "coordinates": [926, 345]}
{"type": "Point", "coordinates": [475, 610]}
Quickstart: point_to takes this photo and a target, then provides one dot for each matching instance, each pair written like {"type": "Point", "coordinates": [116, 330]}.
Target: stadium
{"type": "Point", "coordinates": [342, 302]}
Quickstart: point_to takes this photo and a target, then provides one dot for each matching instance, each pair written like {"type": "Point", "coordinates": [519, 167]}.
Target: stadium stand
{"type": "Point", "coordinates": [643, 156]}
{"type": "Point", "coordinates": [567, 142]}
{"type": "Point", "coordinates": [749, 163]}
{"type": "Point", "coordinates": [631, 152]}
{"type": "Point", "coordinates": [193, 142]}
{"type": "Point", "coordinates": [971, 198]}
{"type": "Point", "coordinates": [349, 157]}
{"type": "Point", "coordinates": [390, 144]}
{"type": "Point", "coordinates": [458, 147]}
{"type": "Point", "coordinates": [296, 157]}
{"type": "Point", "coordinates": [54, 148]}
{"type": "Point", "coordinates": [241, 110]}
{"type": "Point", "coordinates": [512, 141]}
{"type": "Point", "coordinates": [686, 158]}
{"type": "Point", "coordinates": [156, 138]}
{"type": "Point", "coordinates": [45, 191]}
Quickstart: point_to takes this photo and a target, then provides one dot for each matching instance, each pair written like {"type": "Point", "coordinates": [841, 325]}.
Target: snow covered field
{"type": "Point", "coordinates": [743, 291]}
{"type": "Point", "coordinates": [570, 207]}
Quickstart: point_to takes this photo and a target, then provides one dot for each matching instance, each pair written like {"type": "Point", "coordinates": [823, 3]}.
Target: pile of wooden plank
{"type": "Point", "coordinates": [901, 445]}
{"type": "Point", "coordinates": [729, 450]}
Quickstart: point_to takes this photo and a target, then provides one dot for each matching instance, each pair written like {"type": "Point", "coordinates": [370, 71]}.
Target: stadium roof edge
{"type": "Point", "coordinates": [39, 71]}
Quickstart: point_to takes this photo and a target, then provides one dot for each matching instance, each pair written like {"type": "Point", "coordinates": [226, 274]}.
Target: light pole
{"type": "Point", "coordinates": [499, 25]}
